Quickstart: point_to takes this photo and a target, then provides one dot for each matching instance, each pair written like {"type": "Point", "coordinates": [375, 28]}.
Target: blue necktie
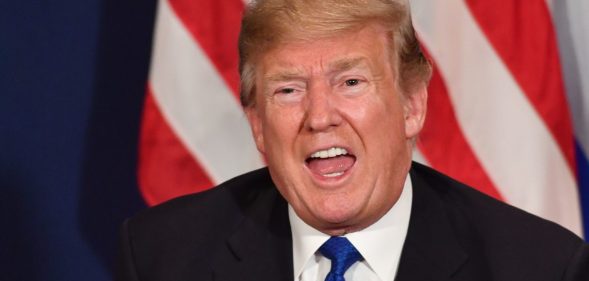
{"type": "Point", "coordinates": [342, 255]}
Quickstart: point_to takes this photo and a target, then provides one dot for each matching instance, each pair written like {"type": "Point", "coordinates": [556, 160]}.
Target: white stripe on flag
{"type": "Point", "coordinates": [505, 132]}
{"type": "Point", "coordinates": [572, 25]}
{"type": "Point", "coordinates": [197, 103]}
{"type": "Point", "coordinates": [418, 156]}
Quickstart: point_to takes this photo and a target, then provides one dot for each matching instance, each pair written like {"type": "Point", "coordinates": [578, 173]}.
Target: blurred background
{"type": "Point", "coordinates": [72, 80]}
{"type": "Point", "coordinates": [104, 112]}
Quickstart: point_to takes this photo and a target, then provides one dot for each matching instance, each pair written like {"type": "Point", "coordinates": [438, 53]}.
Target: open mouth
{"type": "Point", "coordinates": [332, 162]}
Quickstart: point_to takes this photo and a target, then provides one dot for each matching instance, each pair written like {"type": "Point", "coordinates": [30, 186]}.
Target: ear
{"type": "Point", "coordinates": [415, 108]}
{"type": "Point", "coordinates": [254, 118]}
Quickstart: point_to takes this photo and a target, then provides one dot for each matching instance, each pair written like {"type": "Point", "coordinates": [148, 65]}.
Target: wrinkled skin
{"type": "Point", "coordinates": [336, 92]}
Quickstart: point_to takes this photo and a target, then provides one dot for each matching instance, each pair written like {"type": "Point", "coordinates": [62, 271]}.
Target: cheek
{"type": "Point", "coordinates": [381, 118]}
{"type": "Point", "coordinates": [380, 127]}
{"type": "Point", "coordinates": [281, 127]}
{"type": "Point", "coordinates": [392, 115]}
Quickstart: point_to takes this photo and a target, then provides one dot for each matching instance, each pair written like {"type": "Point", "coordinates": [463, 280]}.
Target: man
{"type": "Point", "coordinates": [335, 93]}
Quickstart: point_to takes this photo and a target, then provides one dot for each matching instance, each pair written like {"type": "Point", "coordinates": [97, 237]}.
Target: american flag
{"type": "Point", "coordinates": [507, 109]}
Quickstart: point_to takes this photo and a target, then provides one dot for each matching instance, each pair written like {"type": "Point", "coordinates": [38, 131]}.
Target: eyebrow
{"type": "Point", "coordinates": [284, 76]}
{"type": "Point", "coordinates": [345, 64]}
{"type": "Point", "coordinates": [334, 67]}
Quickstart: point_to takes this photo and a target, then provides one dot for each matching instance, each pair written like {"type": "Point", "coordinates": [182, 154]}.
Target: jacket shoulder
{"type": "Point", "coordinates": [218, 203]}
{"type": "Point", "coordinates": [484, 209]}
{"type": "Point", "coordinates": [178, 237]}
{"type": "Point", "coordinates": [508, 239]}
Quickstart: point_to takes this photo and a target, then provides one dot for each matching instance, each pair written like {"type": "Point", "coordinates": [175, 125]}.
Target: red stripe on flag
{"type": "Point", "coordinates": [443, 144]}
{"type": "Point", "coordinates": [215, 26]}
{"type": "Point", "coordinates": [523, 35]}
{"type": "Point", "coordinates": [166, 168]}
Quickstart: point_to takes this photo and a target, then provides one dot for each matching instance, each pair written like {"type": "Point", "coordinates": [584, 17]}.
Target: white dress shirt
{"type": "Point", "coordinates": [380, 244]}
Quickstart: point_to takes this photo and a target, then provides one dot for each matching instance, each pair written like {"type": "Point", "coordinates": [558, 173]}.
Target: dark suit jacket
{"type": "Point", "coordinates": [240, 231]}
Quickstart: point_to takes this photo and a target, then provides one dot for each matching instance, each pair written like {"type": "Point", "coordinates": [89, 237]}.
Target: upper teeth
{"type": "Point", "coordinates": [331, 152]}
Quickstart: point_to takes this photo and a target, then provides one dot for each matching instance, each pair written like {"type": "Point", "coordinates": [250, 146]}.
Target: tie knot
{"type": "Point", "coordinates": [341, 253]}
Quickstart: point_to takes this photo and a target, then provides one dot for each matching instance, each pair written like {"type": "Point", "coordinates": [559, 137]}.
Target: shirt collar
{"type": "Point", "coordinates": [380, 244]}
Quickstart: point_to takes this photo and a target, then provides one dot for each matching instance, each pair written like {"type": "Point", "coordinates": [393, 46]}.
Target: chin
{"type": "Point", "coordinates": [338, 216]}
{"type": "Point", "coordinates": [338, 228]}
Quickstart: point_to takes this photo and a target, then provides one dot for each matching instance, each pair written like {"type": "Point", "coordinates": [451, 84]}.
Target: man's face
{"type": "Point", "coordinates": [334, 129]}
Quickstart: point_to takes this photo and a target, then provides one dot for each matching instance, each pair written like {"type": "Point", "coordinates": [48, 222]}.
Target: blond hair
{"type": "Point", "coordinates": [268, 23]}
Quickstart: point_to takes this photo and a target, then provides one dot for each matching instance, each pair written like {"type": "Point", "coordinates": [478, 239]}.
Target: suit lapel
{"type": "Point", "coordinates": [431, 250]}
{"type": "Point", "coordinates": [261, 247]}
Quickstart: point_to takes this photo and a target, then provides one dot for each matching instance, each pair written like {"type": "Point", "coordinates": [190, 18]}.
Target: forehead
{"type": "Point", "coordinates": [366, 47]}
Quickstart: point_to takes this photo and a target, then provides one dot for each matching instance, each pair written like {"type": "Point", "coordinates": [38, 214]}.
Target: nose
{"type": "Point", "coordinates": [321, 108]}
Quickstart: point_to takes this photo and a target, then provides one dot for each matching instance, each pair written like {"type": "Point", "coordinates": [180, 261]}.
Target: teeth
{"type": "Point", "coordinates": [333, 174]}
{"type": "Point", "coordinates": [331, 152]}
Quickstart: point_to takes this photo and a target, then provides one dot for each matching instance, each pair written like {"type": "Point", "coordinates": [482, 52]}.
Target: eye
{"type": "Point", "coordinates": [352, 82]}
{"type": "Point", "coordinates": [286, 91]}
